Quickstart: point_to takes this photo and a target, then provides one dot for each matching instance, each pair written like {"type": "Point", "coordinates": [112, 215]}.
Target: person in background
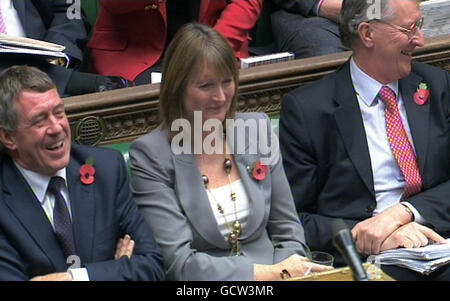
{"type": "Point", "coordinates": [130, 37]}
{"type": "Point", "coordinates": [222, 214]}
{"type": "Point", "coordinates": [370, 142]}
{"type": "Point", "coordinates": [307, 28]}
{"type": "Point", "coordinates": [48, 21]}
{"type": "Point", "coordinates": [66, 210]}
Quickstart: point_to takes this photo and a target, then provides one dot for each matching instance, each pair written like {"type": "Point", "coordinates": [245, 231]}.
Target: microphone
{"type": "Point", "coordinates": [343, 242]}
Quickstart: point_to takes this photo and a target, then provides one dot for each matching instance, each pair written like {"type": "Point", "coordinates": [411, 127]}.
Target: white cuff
{"type": "Point", "coordinates": [79, 274]}
{"type": "Point", "coordinates": [417, 217]}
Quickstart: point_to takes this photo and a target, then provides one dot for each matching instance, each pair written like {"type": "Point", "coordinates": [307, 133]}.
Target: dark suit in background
{"type": "Point", "coordinates": [298, 29]}
{"type": "Point", "coordinates": [102, 213]}
{"type": "Point", "coordinates": [47, 21]}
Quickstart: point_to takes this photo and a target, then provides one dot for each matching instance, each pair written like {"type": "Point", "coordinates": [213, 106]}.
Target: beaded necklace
{"type": "Point", "coordinates": [235, 227]}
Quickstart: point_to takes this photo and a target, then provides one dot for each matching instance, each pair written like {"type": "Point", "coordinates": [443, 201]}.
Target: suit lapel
{"type": "Point", "coordinates": [253, 188]}
{"type": "Point", "coordinates": [418, 116]}
{"type": "Point", "coordinates": [188, 180]}
{"type": "Point", "coordinates": [19, 6]}
{"type": "Point", "coordinates": [82, 205]}
{"type": "Point", "coordinates": [349, 121]}
{"type": "Point", "coordinates": [26, 207]}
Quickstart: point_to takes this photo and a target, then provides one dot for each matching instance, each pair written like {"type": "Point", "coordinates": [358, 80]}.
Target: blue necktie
{"type": "Point", "coordinates": [61, 217]}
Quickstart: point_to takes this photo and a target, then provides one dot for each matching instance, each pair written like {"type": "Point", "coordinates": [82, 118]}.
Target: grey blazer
{"type": "Point", "coordinates": [169, 191]}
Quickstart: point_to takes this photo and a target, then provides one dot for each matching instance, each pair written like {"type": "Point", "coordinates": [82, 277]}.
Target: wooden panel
{"type": "Point", "coordinates": [122, 115]}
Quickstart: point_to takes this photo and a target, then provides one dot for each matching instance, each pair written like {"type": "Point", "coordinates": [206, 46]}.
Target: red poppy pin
{"type": "Point", "coordinates": [422, 94]}
{"type": "Point", "coordinates": [87, 172]}
{"type": "Point", "coordinates": [259, 171]}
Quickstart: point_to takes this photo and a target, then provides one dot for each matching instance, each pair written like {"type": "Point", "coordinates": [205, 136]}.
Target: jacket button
{"type": "Point", "coordinates": [370, 208]}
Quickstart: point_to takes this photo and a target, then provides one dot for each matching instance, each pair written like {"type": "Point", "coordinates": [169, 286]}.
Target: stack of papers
{"type": "Point", "coordinates": [267, 59]}
{"type": "Point", "coordinates": [436, 14]}
{"type": "Point", "coordinates": [424, 260]}
{"type": "Point", "coordinates": [20, 45]}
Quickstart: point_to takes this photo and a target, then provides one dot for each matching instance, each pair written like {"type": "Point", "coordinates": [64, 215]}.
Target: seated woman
{"type": "Point", "coordinates": [220, 208]}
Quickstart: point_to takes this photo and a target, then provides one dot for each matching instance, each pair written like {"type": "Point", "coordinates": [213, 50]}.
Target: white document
{"type": "Point", "coordinates": [27, 46]}
{"type": "Point", "coordinates": [21, 42]}
{"type": "Point", "coordinates": [423, 260]}
{"type": "Point", "coordinates": [436, 15]}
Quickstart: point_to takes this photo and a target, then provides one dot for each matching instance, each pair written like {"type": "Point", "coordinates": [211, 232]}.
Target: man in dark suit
{"type": "Point", "coordinates": [362, 145]}
{"type": "Point", "coordinates": [63, 205]}
{"type": "Point", "coordinates": [48, 21]}
{"type": "Point", "coordinates": [307, 28]}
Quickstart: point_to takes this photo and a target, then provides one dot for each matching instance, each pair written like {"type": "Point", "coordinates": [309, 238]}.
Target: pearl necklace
{"type": "Point", "coordinates": [235, 227]}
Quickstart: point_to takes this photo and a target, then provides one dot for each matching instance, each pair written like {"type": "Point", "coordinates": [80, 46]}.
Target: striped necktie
{"type": "Point", "coordinates": [61, 217]}
{"type": "Point", "coordinates": [400, 145]}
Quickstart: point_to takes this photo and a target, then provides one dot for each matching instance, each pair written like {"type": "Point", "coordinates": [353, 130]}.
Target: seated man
{"type": "Point", "coordinates": [361, 144]}
{"type": "Point", "coordinates": [48, 21]}
{"type": "Point", "coordinates": [60, 203]}
{"type": "Point", "coordinates": [307, 27]}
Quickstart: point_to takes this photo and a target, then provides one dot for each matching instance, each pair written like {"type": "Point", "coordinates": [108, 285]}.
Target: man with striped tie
{"type": "Point", "coordinates": [370, 143]}
{"type": "Point", "coordinates": [66, 211]}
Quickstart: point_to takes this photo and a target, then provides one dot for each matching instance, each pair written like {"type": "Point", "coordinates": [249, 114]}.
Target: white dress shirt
{"type": "Point", "coordinates": [389, 182]}
{"type": "Point", "coordinates": [38, 184]}
{"type": "Point", "coordinates": [11, 18]}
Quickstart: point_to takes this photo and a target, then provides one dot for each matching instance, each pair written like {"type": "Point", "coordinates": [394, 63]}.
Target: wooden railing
{"type": "Point", "coordinates": [122, 115]}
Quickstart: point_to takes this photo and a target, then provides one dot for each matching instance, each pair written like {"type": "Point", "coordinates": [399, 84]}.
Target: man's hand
{"type": "Point", "coordinates": [125, 247]}
{"type": "Point", "coordinates": [372, 232]}
{"type": "Point", "coordinates": [53, 277]}
{"type": "Point", "coordinates": [412, 235]}
{"type": "Point", "coordinates": [331, 9]}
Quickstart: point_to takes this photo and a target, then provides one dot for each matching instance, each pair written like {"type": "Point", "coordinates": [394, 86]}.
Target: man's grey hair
{"type": "Point", "coordinates": [14, 81]}
{"type": "Point", "coordinates": [355, 12]}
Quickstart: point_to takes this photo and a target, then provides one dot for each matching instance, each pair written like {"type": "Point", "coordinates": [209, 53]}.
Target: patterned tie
{"type": "Point", "coordinates": [2, 23]}
{"type": "Point", "coordinates": [61, 217]}
{"type": "Point", "coordinates": [400, 145]}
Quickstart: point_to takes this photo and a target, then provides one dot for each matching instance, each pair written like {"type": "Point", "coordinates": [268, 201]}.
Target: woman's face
{"type": "Point", "coordinates": [209, 92]}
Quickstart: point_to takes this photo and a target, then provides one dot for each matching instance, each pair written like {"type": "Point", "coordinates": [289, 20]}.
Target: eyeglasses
{"type": "Point", "coordinates": [410, 32]}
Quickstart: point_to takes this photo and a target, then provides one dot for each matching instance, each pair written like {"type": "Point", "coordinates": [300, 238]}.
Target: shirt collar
{"type": "Point", "coordinates": [365, 86]}
{"type": "Point", "coordinates": [39, 182]}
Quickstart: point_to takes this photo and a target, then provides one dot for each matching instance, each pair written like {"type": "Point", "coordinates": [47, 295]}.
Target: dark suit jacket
{"type": "Point", "coordinates": [102, 213]}
{"type": "Point", "coordinates": [303, 7]}
{"type": "Point", "coordinates": [326, 156]}
{"type": "Point", "coordinates": [47, 21]}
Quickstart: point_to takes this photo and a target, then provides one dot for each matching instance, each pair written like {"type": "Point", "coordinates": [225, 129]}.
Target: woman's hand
{"type": "Point", "coordinates": [295, 265]}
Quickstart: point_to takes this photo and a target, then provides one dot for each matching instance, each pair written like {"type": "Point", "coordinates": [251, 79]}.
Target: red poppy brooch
{"type": "Point", "coordinates": [259, 171]}
{"type": "Point", "coordinates": [422, 94]}
{"type": "Point", "coordinates": [87, 172]}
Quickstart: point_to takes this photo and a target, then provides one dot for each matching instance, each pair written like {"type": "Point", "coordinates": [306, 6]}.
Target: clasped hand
{"type": "Point", "coordinates": [392, 229]}
{"type": "Point", "coordinates": [125, 247]}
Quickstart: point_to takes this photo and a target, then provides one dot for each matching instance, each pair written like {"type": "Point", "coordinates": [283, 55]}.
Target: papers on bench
{"type": "Point", "coordinates": [423, 260]}
{"type": "Point", "coordinates": [20, 45]}
{"type": "Point", "coordinates": [266, 59]}
{"type": "Point", "coordinates": [436, 15]}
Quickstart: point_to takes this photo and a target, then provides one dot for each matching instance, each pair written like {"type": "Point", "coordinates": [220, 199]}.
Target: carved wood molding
{"type": "Point", "coordinates": [122, 115]}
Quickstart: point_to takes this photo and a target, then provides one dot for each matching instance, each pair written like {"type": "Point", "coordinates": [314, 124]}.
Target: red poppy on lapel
{"type": "Point", "coordinates": [422, 94]}
{"type": "Point", "coordinates": [259, 171]}
{"type": "Point", "coordinates": [87, 172]}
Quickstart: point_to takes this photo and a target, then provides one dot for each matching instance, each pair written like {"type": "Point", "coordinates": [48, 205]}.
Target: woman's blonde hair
{"type": "Point", "coordinates": [193, 46]}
